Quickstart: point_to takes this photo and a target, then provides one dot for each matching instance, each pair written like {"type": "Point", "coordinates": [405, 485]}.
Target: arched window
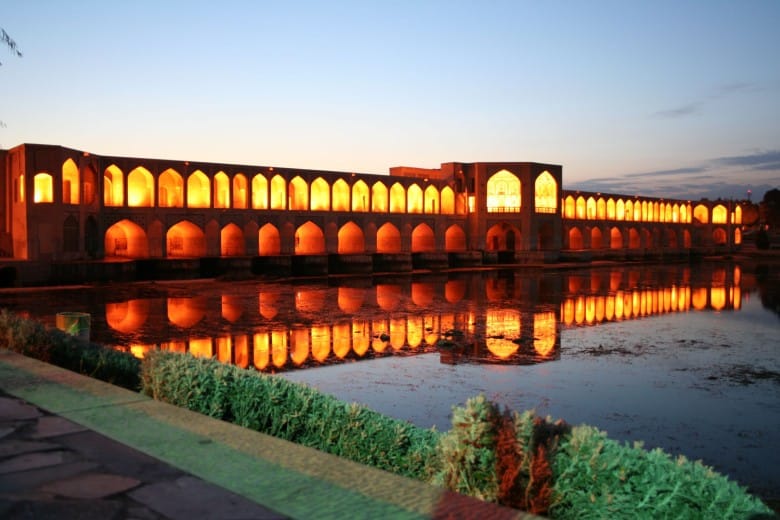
{"type": "Point", "coordinates": [379, 197]}
{"type": "Point", "coordinates": [198, 192]}
{"type": "Point", "coordinates": [590, 208]}
{"type": "Point", "coordinates": [113, 186]}
{"type": "Point", "coordinates": [601, 209]}
{"type": "Point", "coordinates": [569, 207]}
{"type": "Point", "coordinates": [719, 214]}
{"type": "Point", "coordinates": [70, 182]}
{"type": "Point", "coordinates": [447, 201]}
{"type": "Point", "coordinates": [432, 200]}
{"type": "Point", "coordinates": [581, 212]}
{"type": "Point", "coordinates": [170, 189]}
{"type": "Point", "coordinates": [299, 194]}
{"type": "Point", "coordinates": [260, 192]}
{"type": "Point", "coordinates": [503, 193]}
{"type": "Point", "coordinates": [610, 209]}
{"type": "Point", "coordinates": [140, 188]}
{"type": "Point", "coordinates": [88, 185]}
{"type": "Point", "coordinates": [340, 197]}
{"type": "Point", "coordinates": [414, 199]}
{"type": "Point", "coordinates": [397, 198]}
{"type": "Point", "coordinates": [278, 192]}
{"type": "Point", "coordinates": [546, 193]}
{"type": "Point", "coordinates": [701, 214]}
{"type": "Point", "coordinates": [620, 210]}
{"type": "Point", "coordinates": [221, 190]}
{"type": "Point", "coordinates": [320, 195]}
{"type": "Point", "coordinates": [42, 188]}
{"type": "Point", "coordinates": [360, 196]}
{"type": "Point", "coordinates": [239, 191]}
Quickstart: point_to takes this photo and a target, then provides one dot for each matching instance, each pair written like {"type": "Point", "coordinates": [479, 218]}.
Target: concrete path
{"type": "Point", "coordinates": [74, 447]}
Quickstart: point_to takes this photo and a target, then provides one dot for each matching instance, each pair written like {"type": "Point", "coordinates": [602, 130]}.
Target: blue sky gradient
{"type": "Point", "coordinates": [665, 98]}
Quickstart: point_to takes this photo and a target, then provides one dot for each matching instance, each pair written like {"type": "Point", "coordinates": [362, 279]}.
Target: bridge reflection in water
{"type": "Point", "coordinates": [487, 317]}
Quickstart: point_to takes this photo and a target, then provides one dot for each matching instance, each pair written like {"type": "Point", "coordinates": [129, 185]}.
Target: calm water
{"type": "Point", "coordinates": [680, 357]}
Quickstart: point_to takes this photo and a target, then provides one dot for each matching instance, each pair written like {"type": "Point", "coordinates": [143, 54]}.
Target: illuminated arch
{"type": "Point", "coordinates": [447, 201]}
{"type": "Point", "coordinates": [620, 210]}
{"type": "Point", "coordinates": [170, 189]}
{"type": "Point", "coordinates": [221, 190]}
{"type": "Point", "coordinates": [360, 196]}
{"type": "Point", "coordinates": [737, 217]}
{"type": "Point", "coordinates": [231, 241]}
{"type": "Point", "coordinates": [240, 191]}
{"type": "Point", "coordinates": [414, 199]}
{"type": "Point", "coordinates": [669, 211]}
{"type": "Point", "coordinates": [638, 210]}
{"type": "Point", "coordinates": [701, 214]}
{"type": "Point", "coordinates": [423, 240]}
{"type": "Point", "coordinates": [590, 208]}
{"type": "Point", "coordinates": [260, 192]}
{"type": "Point", "coordinates": [644, 217]}
{"type": "Point", "coordinates": [719, 214]}
{"type": "Point", "coordinates": [546, 193]}
{"type": "Point", "coordinates": [278, 192]}
{"type": "Point", "coordinates": [198, 192]}
{"type": "Point", "coordinates": [140, 188]}
{"type": "Point", "coordinates": [351, 239]}
{"type": "Point", "coordinates": [70, 182]}
{"type": "Point", "coordinates": [88, 183]}
{"type": "Point", "coordinates": [379, 197]}
{"type": "Point", "coordinates": [268, 241]}
{"type": "Point", "coordinates": [581, 207]}
{"type": "Point", "coordinates": [610, 209]}
{"type": "Point", "coordinates": [432, 200]}
{"type": "Point", "coordinates": [629, 210]}
{"type": "Point", "coordinates": [685, 214]}
{"type": "Point", "coordinates": [633, 239]}
{"type": "Point", "coordinates": [575, 238]}
{"type": "Point", "coordinates": [309, 239]}
{"type": "Point", "coordinates": [454, 239]}
{"type": "Point", "coordinates": [397, 198]}
{"type": "Point", "coordinates": [298, 194]}
{"type": "Point", "coordinates": [545, 330]}
{"type": "Point", "coordinates": [340, 197]}
{"type": "Point", "coordinates": [501, 327]}
{"type": "Point", "coordinates": [185, 239]}
{"type": "Point", "coordinates": [615, 238]}
{"type": "Point", "coordinates": [320, 195]}
{"type": "Point", "coordinates": [569, 207]}
{"type": "Point", "coordinates": [675, 213]}
{"type": "Point", "coordinates": [503, 192]}
{"type": "Point", "coordinates": [671, 238]}
{"type": "Point", "coordinates": [601, 209]}
{"type": "Point", "coordinates": [126, 239]}
{"type": "Point", "coordinates": [502, 237]}
{"type": "Point", "coordinates": [595, 238]}
{"type": "Point", "coordinates": [719, 236]}
{"type": "Point", "coordinates": [388, 239]}
{"type": "Point", "coordinates": [737, 236]}
{"type": "Point", "coordinates": [686, 238]}
{"type": "Point", "coordinates": [43, 188]}
{"type": "Point", "coordinates": [113, 186]}
{"type": "Point", "coordinates": [128, 316]}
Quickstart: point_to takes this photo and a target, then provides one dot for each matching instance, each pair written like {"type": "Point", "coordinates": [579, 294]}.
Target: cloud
{"type": "Point", "coordinates": [681, 111]}
{"type": "Point", "coordinates": [768, 160]}
{"type": "Point", "coordinates": [663, 173]}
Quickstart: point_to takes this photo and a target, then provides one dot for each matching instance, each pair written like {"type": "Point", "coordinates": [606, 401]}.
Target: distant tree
{"type": "Point", "coordinates": [770, 208]}
{"type": "Point", "coordinates": [6, 39]}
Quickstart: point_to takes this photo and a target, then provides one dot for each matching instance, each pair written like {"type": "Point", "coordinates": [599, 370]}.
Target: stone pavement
{"type": "Point", "coordinates": [72, 447]}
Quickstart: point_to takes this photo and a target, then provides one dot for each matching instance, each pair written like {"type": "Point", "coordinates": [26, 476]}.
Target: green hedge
{"type": "Point", "coordinates": [33, 339]}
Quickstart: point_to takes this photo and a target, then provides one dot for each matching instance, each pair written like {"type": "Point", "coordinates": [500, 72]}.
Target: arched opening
{"type": "Point", "coordinates": [423, 240]}
{"type": "Point", "coordinates": [309, 239]}
{"type": "Point", "coordinates": [91, 237]}
{"type": "Point", "coordinates": [221, 190]}
{"type": "Point", "coordinates": [633, 239]}
{"type": "Point", "coordinates": [70, 182]}
{"type": "Point", "coordinates": [620, 210]}
{"type": "Point", "coordinates": [414, 199]}
{"type": "Point", "coordinates": [675, 213]}
{"type": "Point", "coordinates": [502, 237]}
{"type": "Point", "coordinates": [260, 192]}
{"type": "Point", "coordinates": [320, 195]}
{"type": "Point", "coordinates": [595, 238]}
{"type": "Point", "coordinates": [240, 191]}
{"type": "Point", "coordinates": [388, 239]}
{"type": "Point", "coordinates": [590, 208]}
{"type": "Point", "coordinates": [719, 214]}
{"type": "Point", "coordinates": [701, 214]}
{"type": "Point", "coordinates": [719, 236]}
{"type": "Point", "coordinates": [360, 196]}
{"type": "Point", "coordinates": [88, 185]}
{"type": "Point", "coordinates": [268, 242]}
{"type": "Point", "coordinates": [686, 238]}
{"type": "Point", "coordinates": [737, 215]}
{"type": "Point", "coordinates": [278, 192]}
{"type": "Point", "coordinates": [351, 239]}
{"type": "Point", "coordinates": [170, 189]}
{"type": "Point", "coordinates": [668, 213]}
{"type": "Point", "coordinates": [397, 198]}
{"type": "Point", "coordinates": [501, 327]}
{"type": "Point", "coordinates": [432, 200]}
{"type": "Point", "coordinates": [140, 188]}
{"type": "Point", "coordinates": [231, 241]}
{"type": "Point", "coordinates": [340, 199]}
{"type": "Point", "coordinates": [638, 210]}
{"type": "Point", "coordinates": [113, 186]}
{"type": "Point", "coordinates": [610, 209]}
{"type": "Point", "coordinates": [569, 207]}
{"type": "Point", "coordinates": [575, 238]}
{"type": "Point", "coordinates": [503, 193]}
{"type": "Point", "coordinates": [454, 239]}
{"type": "Point", "coordinates": [629, 210]}
{"type": "Point", "coordinates": [43, 189]}
{"type": "Point", "coordinates": [70, 234]}
{"type": "Point", "coordinates": [128, 316]}
{"type": "Point", "coordinates": [447, 201]}
{"type": "Point", "coordinates": [198, 192]}
{"type": "Point", "coordinates": [298, 194]}
{"type": "Point", "coordinates": [126, 239]}
{"type": "Point", "coordinates": [185, 239]}
{"type": "Point", "coordinates": [615, 238]}
{"type": "Point", "coordinates": [671, 239]}
{"type": "Point", "coordinates": [546, 193]}
{"type": "Point", "coordinates": [737, 236]}
{"type": "Point", "coordinates": [601, 209]}
{"type": "Point", "coordinates": [379, 197]}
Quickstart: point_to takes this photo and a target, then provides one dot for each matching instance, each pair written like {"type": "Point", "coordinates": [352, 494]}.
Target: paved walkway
{"type": "Point", "coordinates": [73, 447]}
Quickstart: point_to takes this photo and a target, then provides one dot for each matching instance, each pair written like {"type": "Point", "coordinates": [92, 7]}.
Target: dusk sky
{"type": "Point", "coordinates": [673, 99]}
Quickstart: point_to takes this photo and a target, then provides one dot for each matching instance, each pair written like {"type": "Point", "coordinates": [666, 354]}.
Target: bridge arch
{"type": "Point", "coordinates": [414, 199]}
{"type": "Point", "coordinates": [596, 238]}
{"type": "Point", "coordinates": [360, 196]}
{"type": "Point", "coordinates": [379, 197]}
{"type": "Point", "coordinates": [259, 192]}
{"type": "Point", "coordinates": [309, 239]}
{"type": "Point", "coordinates": [278, 193]}
{"type": "Point", "coordinates": [397, 198]}
{"type": "Point", "coordinates": [351, 239]}
{"type": "Point", "coordinates": [298, 194]}
{"type": "Point", "coordinates": [340, 196]}
{"type": "Point", "coordinates": [71, 184]}
{"type": "Point", "coordinates": [170, 189]}
{"type": "Point", "coordinates": [615, 238]}
{"type": "Point", "coordinates": [320, 195]}
{"type": "Point", "coordinates": [221, 190]}
{"type": "Point", "coordinates": [575, 238]}
{"type": "Point", "coordinates": [454, 238]}
{"type": "Point", "coordinates": [502, 237]}
{"type": "Point", "coordinates": [432, 205]}
{"type": "Point", "coordinates": [185, 239]}
{"type": "Point", "coordinates": [569, 207]}
{"type": "Point", "coordinates": [198, 191]}
{"type": "Point", "coordinates": [232, 241]}
{"type": "Point", "coordinates": [719, 214]}
{"type": "Point", "coordinates": [140, 188]}
{"type": "Point", "coordinates": [447, 201]}
{"type": "Point", "coordinates": [240, 191]}
{"type": "Point", "coordinates": [423, 240]}
{"type": "Point", "coordinates": [126, 239]}
{"type": "Point", "coordinates": [701, 214]}
{"type": "Point", "coordinates": [113, 186]}
{"type": "Point", "coordinates": [719, 236]}
{"type": "Point", "coordinates": [388, 239]}
{"type": "Point", "coordinates": [268, 240]}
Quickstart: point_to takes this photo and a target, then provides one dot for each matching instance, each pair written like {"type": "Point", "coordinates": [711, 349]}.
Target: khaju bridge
{"type": "Point", "coordinates": [64, 209]}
